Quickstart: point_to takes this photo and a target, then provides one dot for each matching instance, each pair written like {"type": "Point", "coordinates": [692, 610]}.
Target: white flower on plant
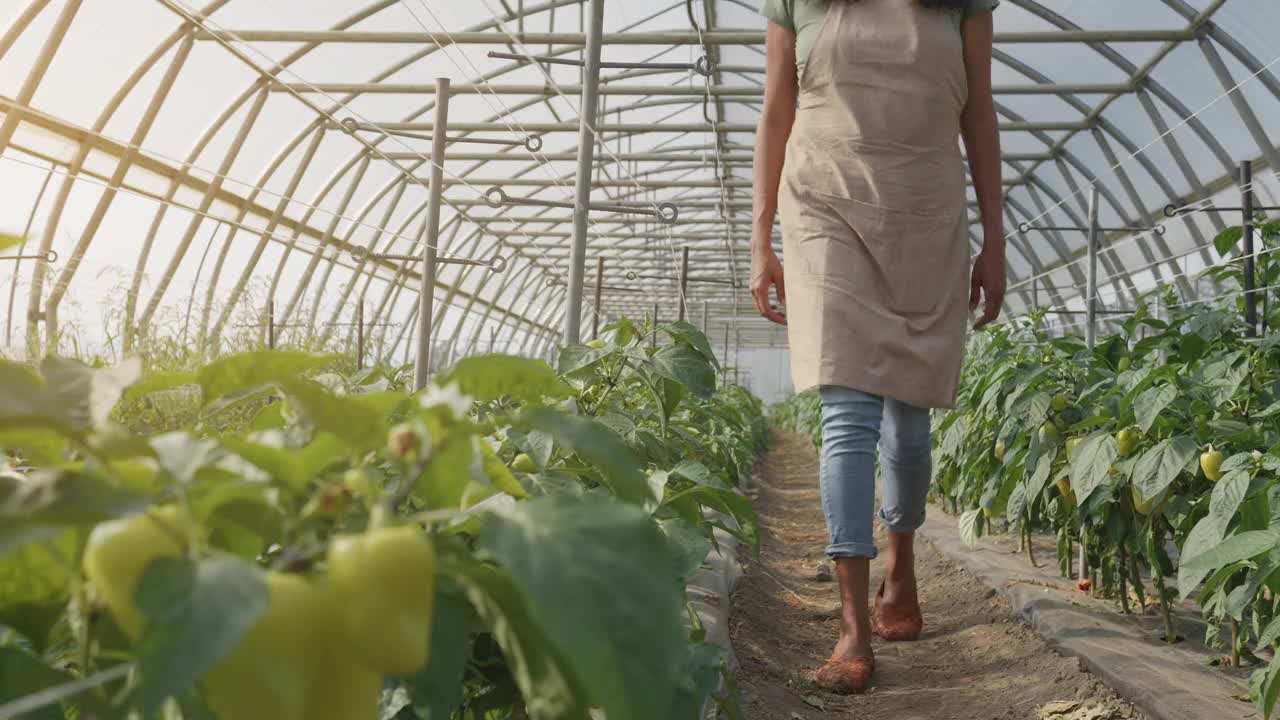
{"type": "Point", "coordinates": [449, 396]}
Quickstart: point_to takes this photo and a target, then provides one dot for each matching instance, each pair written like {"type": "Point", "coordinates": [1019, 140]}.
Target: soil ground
{"type": "Point", "coordinates": [974, 661]}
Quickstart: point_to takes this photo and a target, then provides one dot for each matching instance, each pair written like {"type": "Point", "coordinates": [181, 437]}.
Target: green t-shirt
{"type": "Point", "coordinates": [804, 18]}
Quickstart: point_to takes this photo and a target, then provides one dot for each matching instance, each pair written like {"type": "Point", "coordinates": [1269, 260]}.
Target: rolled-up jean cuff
{"type": "Point", "coordinates": [851, 550]}
{"type": "Point", "coordinates": [902, 528]}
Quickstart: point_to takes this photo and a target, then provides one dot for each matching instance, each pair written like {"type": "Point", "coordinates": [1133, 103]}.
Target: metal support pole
{"type": "Point", "coordinates": [706, 305]}
{"type": "Point", "coordinates": [586, 161]}
{"type": "Point", "coordinates": [595, 316]}
{"type": "Point", "coordinates": [426, 292]}
{"type": "Point", "coordinates": [724, 365]}
{"type": "Point", "coordinates": [271, 324]}
{"type": "Point", "coordinates": [1091, 287]}
{"type": "Point", "coordinates": [653, 339]}
{"type": "Point", "coordinates": [360, 336]}
{"type": "Point", "coordinates": [684, 281]}
{"type": "Point", "coordinates": [1246, 206]}
{"type": "Point", "coordinates": [737, 351]}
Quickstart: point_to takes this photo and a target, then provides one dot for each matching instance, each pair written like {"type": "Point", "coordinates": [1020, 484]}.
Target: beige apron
{"type": "Point", "coordinates": [873, 206]}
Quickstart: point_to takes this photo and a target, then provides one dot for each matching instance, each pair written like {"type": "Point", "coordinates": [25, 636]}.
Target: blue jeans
{"type": "Point", "coordinates": [852, 423]}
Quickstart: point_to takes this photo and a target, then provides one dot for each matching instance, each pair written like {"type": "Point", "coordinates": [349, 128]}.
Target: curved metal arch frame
{"type": "Point", "coordinates": [1147, 90]}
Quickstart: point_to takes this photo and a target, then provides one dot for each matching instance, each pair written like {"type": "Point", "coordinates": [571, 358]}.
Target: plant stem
{"type": "Point", "coordinates": [1235, 643]}
{"type": "Point", "coordinates": [1031, 552]}
{"type": "Point", "coordinates": [1124, 586]}
{"type": "Point", "coordinates": [1170, 635]}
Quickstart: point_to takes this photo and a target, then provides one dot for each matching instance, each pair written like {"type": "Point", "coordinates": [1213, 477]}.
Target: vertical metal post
{"type": "Point", "coordinates": [595, 319]}
{"type": "Point", "coordinates": [653, 339]}
{"type": "Point", "coordinates": [586, 161]}
{"type": "Point", "coordinates": [684, 281]}
{"type": "Point", "coordinates": [706, 304]}
{"type": "Point", "coordinates": [1091, 310]}
{"type": "Point", "coordinates": [360, 336]}
{"type": "Point", "coordinates": [1091, 305]}
{"type": "Point", "coordinates": [737, 351]}
{"type": "Point", "coordinates": [271, 324]}
{"type": "Point", "coordinates": [426, 290]}
{"type": "Point", "coordinates": [724, 365]}
{"type": "Point", "coordinates": [1246, 204]}
{"type": "Point", "coordinates": [1035, 293]}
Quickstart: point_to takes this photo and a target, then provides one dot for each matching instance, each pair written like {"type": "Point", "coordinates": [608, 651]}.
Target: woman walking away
{"type": "Point", "coordinates": [859, 150]}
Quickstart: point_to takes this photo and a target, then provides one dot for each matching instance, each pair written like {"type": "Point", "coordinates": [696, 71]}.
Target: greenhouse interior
{"type": "Point", "coordinates": [405, 360]}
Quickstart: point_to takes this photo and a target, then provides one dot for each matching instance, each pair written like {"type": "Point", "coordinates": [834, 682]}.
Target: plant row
{"type": "Point", "coordinates": [264, 537]}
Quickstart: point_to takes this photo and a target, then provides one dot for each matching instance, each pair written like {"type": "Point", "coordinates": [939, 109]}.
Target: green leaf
{"type": "Point", "coordinates": [699, 676]}
{"type": "Point", "coordinates": [182, 454]}
{"type": "Point", "coordinates": [448, 471]}
{"type": "Point", "coordinates": [547, 681]}
{"type": "Point", "coordinates": [249, 372]}
{"type": "Point", "coordinates": [1245, 594]}
{"type": "Point", "coordinates": [729, 503]}
{"type": "Point", "coordinates": [1228, 493]}
{"type": "Point", "coordinates": [685, 365]}
{"type": "Point", "coordinates": [1160, 466]}
{"type": "Point", "coordinates": [489, 377]}
{"type": "Point", "coordinates": [688, 333]}
{"type": "Point", "coordinates": [8, 241]}
{"type": "Point", "coordinates": [538, 445]}
{"type": "Point", "coordinates": [1264, 686]}
{"type": "Point", "coordinates": [597, 445]}
{"type": "Point", "coordinates": [195, 612]}
{"type": "Point", "coordinates": [1228, 239]}
{"type": "Point", "coordinates": [269, 417]}
{"type": "Point", "coordinates": [577, 363]}
{"type": "Point", "coordinates": [669, 394]}
{"type": "Point", "coordinates": [1193, 569]}
{"type": "Point", "coordinates": [695, 471]}
{"type": "Point", "coordinates": [624, 331]}
{"type": "Point", "coordinates": [23, 674]}
{"type": "Point", "coordinates": [294, 468]}
{"type": "Point", "coordinates": [437, 689]}
{"type": "Point", "coordinates": [1148, 406]}
{"type": "Point", "coordinates": [157, 382]}
{"type": "Point", "coordinates": [1091, 462]}
{"type": "Point", "coordinates": [1271, 634]}
{"type": "Point", "coordinates": [47, 500]}
{"type": "Point", "coordinates": [360, 426]}
{"type": "Point", "coordinates": [568, 554]}
{"type": "Point", "coordinates": [1039, 477]}
{"type": "Point", "coordinates": [88, 394]}
{"type": "Point", "coordinates": [40, 571]}
{"type": "Point", "coordinates": [688, 543]}
{"type": "Point", "coordinates": [36, 445]}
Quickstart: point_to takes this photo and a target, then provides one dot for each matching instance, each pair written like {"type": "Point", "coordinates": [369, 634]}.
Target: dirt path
{"type": "Point", "coordinates": [973, 663]}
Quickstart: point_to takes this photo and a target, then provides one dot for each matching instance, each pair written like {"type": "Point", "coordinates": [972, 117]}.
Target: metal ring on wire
{"type": "Point", "coordinates": [51, 257]}
{"type": "Point", "coordinates": [497, 264]}
{"type": "Point", "coordinates": [663, 209]}
{"type": "Point", "coordinates": [1172, 210]}
{"type": "Point", "coordinates": [1160, 230]}
{"type": "Point", "coordinates": [533, 143]}
{"type": "Point", "coordinates": [350, 125]}
{"type": "Point", "coordinates": [496, 197]}
{"type": "Point", "coordinates": [359, 253]}
{"type": "Point", "coordinates": [631, 275]}
{"type": "Point", "coordinates": [703, 66]}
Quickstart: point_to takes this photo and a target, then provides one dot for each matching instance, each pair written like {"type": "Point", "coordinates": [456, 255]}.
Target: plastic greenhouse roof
{"type": "Point", "coordinates": [190, 164]}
